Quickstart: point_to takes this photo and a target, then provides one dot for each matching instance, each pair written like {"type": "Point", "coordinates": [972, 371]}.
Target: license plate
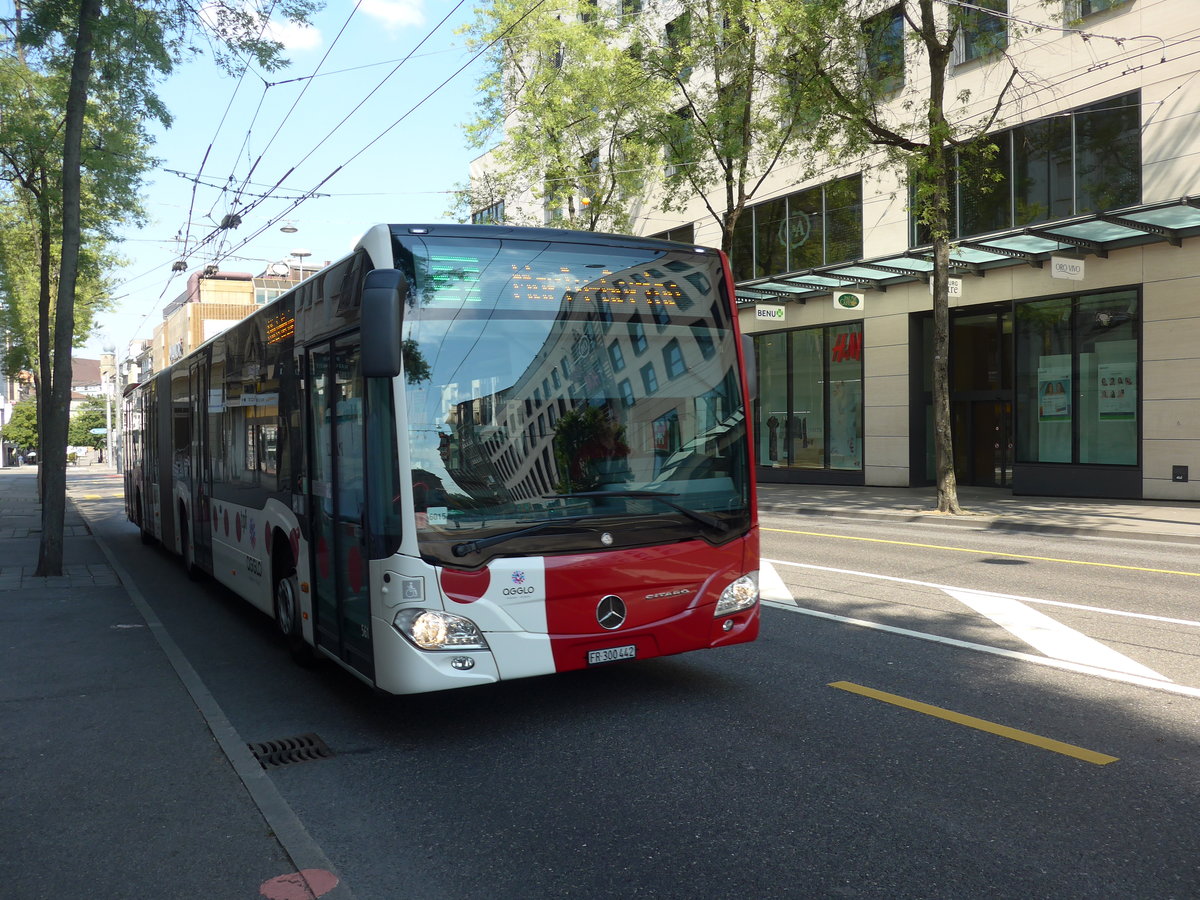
{"type": "Point", "coordinates": [612, 654]}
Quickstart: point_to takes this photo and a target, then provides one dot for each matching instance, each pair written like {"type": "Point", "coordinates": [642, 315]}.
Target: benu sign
{"type": "Point", "coordinates": [764, 313]}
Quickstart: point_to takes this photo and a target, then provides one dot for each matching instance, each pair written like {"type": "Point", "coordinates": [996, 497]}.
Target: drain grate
{"type": "Point", "coordinates": [287, 751]}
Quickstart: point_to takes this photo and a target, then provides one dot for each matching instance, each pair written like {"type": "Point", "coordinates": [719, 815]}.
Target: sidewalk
{"type": "Point", "coordinates": [114, 785]}
{"type": "Point", "coordinates": [991, 508]}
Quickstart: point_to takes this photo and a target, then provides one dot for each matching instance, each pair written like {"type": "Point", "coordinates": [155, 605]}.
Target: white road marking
{"type": "Point", "coordinates": [1053, 638]}
{"type": "Point", "coordinates": [1191, 623]}
{"type": "Point", "coordinates": [1168, 686]}
{"type": "Point", "coordinates": [1064, 646]}
{"type": "Point", "coordinates": [771, 586]}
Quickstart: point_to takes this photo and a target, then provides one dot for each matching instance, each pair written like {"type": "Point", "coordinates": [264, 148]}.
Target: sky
{"type": "Point", "coordinates": [395, 159]}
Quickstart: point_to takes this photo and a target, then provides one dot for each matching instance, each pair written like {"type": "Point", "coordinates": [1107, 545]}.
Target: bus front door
{"type": "Point", "coordinates": [337, 502]}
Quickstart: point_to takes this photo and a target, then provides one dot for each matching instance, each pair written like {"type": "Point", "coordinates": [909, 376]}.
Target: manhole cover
{"type": "Point", "coordinates": [285, 752]}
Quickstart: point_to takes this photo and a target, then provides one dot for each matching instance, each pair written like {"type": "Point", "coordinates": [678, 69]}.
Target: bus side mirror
{"type": "Point", "coordinates": [381, 318]}
{"type": "Point", "coordinates": [751, 365]}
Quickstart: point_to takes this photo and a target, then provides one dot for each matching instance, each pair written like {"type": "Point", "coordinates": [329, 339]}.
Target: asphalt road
{"type": "Point", "coordinates": [828, 759]}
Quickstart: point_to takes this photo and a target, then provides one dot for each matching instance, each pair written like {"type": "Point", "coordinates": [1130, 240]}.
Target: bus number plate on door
{"type": "Point", "coordinates": [612, 654]}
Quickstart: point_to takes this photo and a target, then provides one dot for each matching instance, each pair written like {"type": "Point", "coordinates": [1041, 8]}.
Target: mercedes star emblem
{"type": "Point", "coordinates": [610, 613]}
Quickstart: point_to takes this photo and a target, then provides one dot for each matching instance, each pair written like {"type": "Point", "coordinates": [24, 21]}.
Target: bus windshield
{"type": "Point", "coordinates": [569, 397]}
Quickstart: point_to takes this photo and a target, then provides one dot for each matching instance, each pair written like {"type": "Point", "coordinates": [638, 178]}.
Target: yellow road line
{"type": "Point", "coordinates": [1072, 562]}
{"type": "Point", "coordinates": [1025, 737]}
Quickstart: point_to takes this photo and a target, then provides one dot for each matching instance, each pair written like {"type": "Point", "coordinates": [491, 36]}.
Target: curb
{"type": "Point", "coordinates": [983, 522]}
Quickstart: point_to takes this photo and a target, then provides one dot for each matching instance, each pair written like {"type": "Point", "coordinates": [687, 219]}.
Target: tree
{"type": "Point", "coordinates": [93, 413]}
{"type": "Point", "coordinates": [852, 69]}
{"type": "Point", "coordinates": [22, 429]}
{"type": "Point", "coordinates": [125, 47]}
{"type": "Point", "coordinates": [731, 122]}
{"type": "Point", "coordinates": [604, 116]}
{"type": "Point", "coordinates": [561, 90]}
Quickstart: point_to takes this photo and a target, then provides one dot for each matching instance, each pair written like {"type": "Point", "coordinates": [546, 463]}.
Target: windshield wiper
{"type": "Point", "coordinates": [703, 518]}
{"type": "Point", "coordinates": [467, 547]}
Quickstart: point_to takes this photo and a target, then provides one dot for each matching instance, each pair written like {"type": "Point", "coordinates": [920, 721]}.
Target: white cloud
{"type": "Point", "coordinates": [395, 13]}
{"type": "Point", "coordinates": [293, 36]}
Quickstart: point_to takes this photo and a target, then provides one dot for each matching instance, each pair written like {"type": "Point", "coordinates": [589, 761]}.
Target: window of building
{"type": "Point", "coordinates": [1078, 9]}
{"type": "Point", "coordinates": [678, 149]}
{"type": "Point", "coordinates": [673, 359]}
{"type": "Point", "coordinates": [616, 356]}
{"type": "Point", "coordinates": [1086, 160]}
{"type": "Point", "coordinates": [491, 215]}
{"type": "Point", "coordinates": [1077, 379]}
{"type": "Point", "coordinates": [626, 390]}
{"type": "Point", "coordinates": [637, 337]}
{"type": "Point", "coordinates": [810, 401]}
{"type": "Point", "coordinates": [883, 49]}
{"type": "Point", "coordinates": [631, 7]}
{"type": "Point", "coordinates": [981, 32]}
{"type": "Point", "coordinates": [684, 234]}
{"type": "Point", "coordinates": [677, 32]}
{"type": "Point", "coordinates": [815, 227]}
{"type": "Point", "coordinates": [649, 379]}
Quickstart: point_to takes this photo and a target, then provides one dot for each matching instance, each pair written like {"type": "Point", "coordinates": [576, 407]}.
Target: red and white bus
{"type": "Point", "coordinates": [468, 453]}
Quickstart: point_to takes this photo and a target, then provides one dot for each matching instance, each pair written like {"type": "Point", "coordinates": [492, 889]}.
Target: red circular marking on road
{"type": "Point", "coordinates": [465, 587]}
{"type": "Point", "coordinates": [354, 566]}
{"type": "Point", "coordinates": [302, 885]}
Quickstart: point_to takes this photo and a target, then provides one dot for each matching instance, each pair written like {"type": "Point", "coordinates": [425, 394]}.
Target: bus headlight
{"type": "Point", "coordinates": [741, 594]}
{"type": "Point", "coordinates": [433, 630]}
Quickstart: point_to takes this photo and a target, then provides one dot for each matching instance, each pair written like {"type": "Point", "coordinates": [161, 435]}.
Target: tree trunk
{"type": "Point", "coordinates": [943, 441]}
{"type": "Point", "coordinates": [58, 410]}
{"type": "Point", "coordinates": [939, 169]}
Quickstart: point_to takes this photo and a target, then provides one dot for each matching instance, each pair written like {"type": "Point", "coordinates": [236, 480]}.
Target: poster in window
{"type": "Point", "coordinates": [1118, 391]}
{"type": "Point", "coordinates": [1054, 394]}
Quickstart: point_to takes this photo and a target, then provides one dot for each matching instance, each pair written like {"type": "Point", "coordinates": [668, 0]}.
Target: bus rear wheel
{"type": "Point", "coordinates": [146, 536]}
{"type": "Point", "coordinates": [287, 617]}
{"type": "Point", "coordinates": [189, 555]}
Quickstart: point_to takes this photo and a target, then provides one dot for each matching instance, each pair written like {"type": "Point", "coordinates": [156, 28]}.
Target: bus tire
{"type": "Point", "coordinates": [189, 558]}
{"type": "Point", "coordinates": [146, 536]}
{"type": "Point", "coordinates": [287, 617]}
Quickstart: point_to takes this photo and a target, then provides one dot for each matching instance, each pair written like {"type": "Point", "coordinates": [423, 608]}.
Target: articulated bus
{"type": "Point", "coordinates": [466, 453]}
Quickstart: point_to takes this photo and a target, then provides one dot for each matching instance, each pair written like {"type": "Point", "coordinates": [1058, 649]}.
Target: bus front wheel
{"type": "Point", "coordinates": [287, 617]}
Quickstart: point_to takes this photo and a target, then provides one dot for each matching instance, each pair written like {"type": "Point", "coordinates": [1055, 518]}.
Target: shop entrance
{"type": "Point", "coordinates": [981, 395]}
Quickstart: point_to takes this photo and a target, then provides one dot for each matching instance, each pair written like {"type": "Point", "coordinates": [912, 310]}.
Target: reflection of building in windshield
{"type": "Point", "coordinates": [641, 345]}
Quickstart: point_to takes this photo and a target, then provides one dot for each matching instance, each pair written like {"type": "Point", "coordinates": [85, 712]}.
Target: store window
{"type": "Point", "coordinates": [1077, 380]}
{"type": "Point", "coordinates": [810, 398]}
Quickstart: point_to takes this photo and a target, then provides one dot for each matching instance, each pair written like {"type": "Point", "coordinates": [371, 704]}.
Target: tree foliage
{"type": "Point", "coordinates": [92, 413]}
{"type": "Point", "coordinates": [630, 113]}
{"type": "Point", "coordinates": [21, 430]}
